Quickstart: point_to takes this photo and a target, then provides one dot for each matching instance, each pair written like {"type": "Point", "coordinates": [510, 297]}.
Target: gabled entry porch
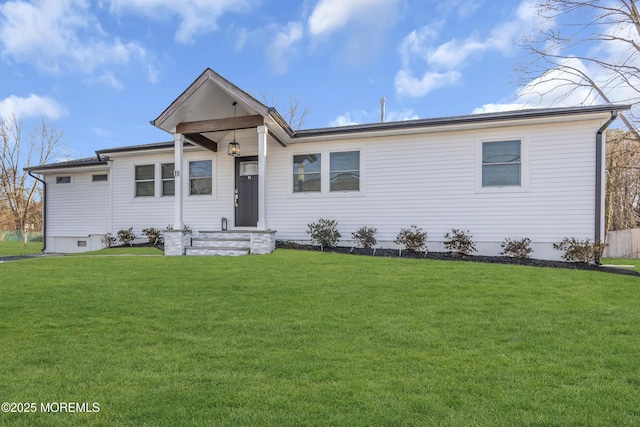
{"type": "Point", "coordinates": [210, 114]}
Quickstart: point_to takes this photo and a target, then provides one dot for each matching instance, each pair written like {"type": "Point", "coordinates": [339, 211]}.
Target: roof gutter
{"type": "Point", "coordinates": [44, 210]}
{"type": "Point", "coordinates": [599, 226]}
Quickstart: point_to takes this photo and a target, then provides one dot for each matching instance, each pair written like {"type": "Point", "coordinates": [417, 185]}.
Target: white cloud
{"type": "Point", "coordinates": [408, 85]}
{"type": "Point", "coordinates": [282, 47]}
{"type": "Point", "coordinates": [496, 108]}
{"type": "Point", "coordinates": [153, 74]}
{"type": "Point", "coordinates": [359, 117]}
{"type": "Point", "coordinates": [443, 62]}
{"type": "Point", "coordinates": [31, 106]}
{"type": "Point", "coordinates": [400, 116]}
{"type": "Point", "coordinates": [558, 87]}
{"type": "Point", "coordinates": [108, 79]}
{"type": "Point", "coordinates": [331, 15]}
{"type": "Point", "coordinates": [413, 45]}
{"type": "Point", "coordinates": [196, 16]}
{"type": "Point", "coordinates": [564, 86]}
{"type": "Point", "coordinates": [60, 35]}
{"type": "Point", "coordinates": [343, 120]}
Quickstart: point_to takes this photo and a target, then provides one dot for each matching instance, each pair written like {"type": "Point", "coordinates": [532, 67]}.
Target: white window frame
{"type": "Point", "coordinates": [359, 169]}
{"type": "Point", "coordinates": [524, 166]}
{"type": "Point", "coordinates": [188, 177]}
{"type": "Point", "coordinates": [162, 180]}
{"type": "Point", "coordinates": [325, 173]}
{"type": "Point", "coordinates": [291, 173]}
{"type": "Point", "coordinates": [99, 181]}
{"type": "Point", "coordinates": [186, 182]}
{"type": "Point", "coordinates": [155, 180]}
{"type": "Point", "coordinates": [70, 176]}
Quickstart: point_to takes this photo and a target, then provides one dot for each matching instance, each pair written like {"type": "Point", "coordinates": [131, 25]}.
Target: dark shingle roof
{"type": "Point", "coordinates": [88, 161]}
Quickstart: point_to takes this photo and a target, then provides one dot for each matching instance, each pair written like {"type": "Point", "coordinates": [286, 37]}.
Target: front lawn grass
{"type": "Point", "coordinates": [307, 338]}
{"type": "Point", "coordinates": [623, 261]}
{"type": "Point", "coordinates": [9, 248]}
{"type": "Point", "coordinates": [123, 250]}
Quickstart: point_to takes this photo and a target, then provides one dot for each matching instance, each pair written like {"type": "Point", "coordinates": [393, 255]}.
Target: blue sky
{"type": "Point", "coordinates": [100, 71]}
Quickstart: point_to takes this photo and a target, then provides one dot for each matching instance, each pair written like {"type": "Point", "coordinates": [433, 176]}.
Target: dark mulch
{"type": "Point", "coordinates": [17, 257]}
{"type": "Point", "coordinates": [446, 256]}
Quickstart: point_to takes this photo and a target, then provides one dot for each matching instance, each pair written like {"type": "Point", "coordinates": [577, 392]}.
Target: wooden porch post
{"type": "Point", "coordinates": [262, 181]}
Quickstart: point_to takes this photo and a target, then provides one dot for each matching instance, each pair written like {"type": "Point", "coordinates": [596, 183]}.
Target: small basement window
{"type": "Point", "coordinates": [82, 243]}
{"type": "Point", "coordinates": [100, 177]}
{"type": "Point", "coordinates": [63, 179]}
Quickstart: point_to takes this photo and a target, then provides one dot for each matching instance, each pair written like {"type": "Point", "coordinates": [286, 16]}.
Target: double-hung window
{"type": "Point", "coordinates": [345, 171]}
{"type": "Point", "coordinates": [168, 179]}
{"type": "Point", "coordinates": [307, 173]}
{"type": "Point", "coordinates": [502, 164]}
{"type": "Point", "coordinates": [200, 181]}
{"type": "Point", "coordinates": [145, 180]}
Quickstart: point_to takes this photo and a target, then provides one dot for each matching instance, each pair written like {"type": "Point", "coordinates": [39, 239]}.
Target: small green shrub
{"type": "Point", "coordinates": [579, 250]}
{"type": "Point", "coordinates": [127, 237]}
{"type": "Point", "coordinates": [154, 235]}
{"type": "Point", "coordinates": [324, 232]}
{"type": "Point", "coordinates": [413, 238]}
{"type": "Point", "coordinates": [516, 248]}
{"type": "Point", "coordinates": [460, 242]}
{"type": "Point", "coordinates": [107, 240]}
{"type": "Point", "coordinates": [365, 237]}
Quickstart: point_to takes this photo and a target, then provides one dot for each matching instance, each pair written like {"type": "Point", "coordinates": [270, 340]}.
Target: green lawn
{"type": "Point", "coordinates": [8, 248]}
{"type": "Point", "coordinates": [124, 250]}
{"type": "Point", "coordinates": [306, 338]}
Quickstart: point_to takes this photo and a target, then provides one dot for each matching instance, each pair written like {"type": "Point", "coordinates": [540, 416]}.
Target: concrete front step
{"type": "Point", "coordinates": [217, 251]}
{"type": "Point", "coordinates": [221, 242]}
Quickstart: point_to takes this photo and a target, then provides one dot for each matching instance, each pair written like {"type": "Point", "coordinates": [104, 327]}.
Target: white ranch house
{"type": "Point", "coordinates": [532, 173]}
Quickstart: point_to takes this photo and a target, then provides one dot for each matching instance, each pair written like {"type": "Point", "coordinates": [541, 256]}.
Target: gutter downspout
{"type": "Point", "coordinates": [44, 211]}
{"type": "Point", "coordinates": [599, 178]}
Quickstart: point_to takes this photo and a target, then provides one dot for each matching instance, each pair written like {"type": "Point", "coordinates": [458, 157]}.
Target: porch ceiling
{"type": "Point", "coordinates": [215, 129]}
{"type": "Point", "coordinates": [211, 107]}
{"type": "Point", "coordinates": [209, 97]}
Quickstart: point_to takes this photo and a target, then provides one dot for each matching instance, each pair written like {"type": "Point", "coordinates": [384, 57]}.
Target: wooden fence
{"type": "Point", "coordinates": [623, 244]}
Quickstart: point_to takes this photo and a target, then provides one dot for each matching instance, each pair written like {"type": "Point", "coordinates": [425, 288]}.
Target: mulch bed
{"type": "Point", "coordinates": [447, 256]}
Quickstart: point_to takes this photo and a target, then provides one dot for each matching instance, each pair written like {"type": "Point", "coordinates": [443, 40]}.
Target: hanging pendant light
{"type": "Point", "coordinates": [234, 147]}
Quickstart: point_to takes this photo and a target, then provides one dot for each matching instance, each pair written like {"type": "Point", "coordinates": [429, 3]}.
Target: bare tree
{"type": "Point", "coordinates": [623, 181]}
{"type": "Point", "coordinates": [18, 190]}
{"type": "Point", "coordinates": [589, 48]}
{"type": "Point", "coordinates": [297, 112]}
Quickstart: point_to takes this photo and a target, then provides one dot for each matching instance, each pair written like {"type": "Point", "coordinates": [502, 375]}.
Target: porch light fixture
{"type": "Point", "coordinates": [234, 147]}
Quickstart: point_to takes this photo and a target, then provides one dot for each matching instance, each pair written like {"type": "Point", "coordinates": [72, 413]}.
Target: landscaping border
{"type": "Point", "coordinates": [447, 256]}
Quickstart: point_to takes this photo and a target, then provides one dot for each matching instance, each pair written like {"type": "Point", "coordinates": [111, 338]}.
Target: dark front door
{"type": "Point", "coordinates": [246, 196]}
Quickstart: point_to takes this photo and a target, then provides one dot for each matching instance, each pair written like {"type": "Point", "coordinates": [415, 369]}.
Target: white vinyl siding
{"type": "Point", "coordinates": [78, 212]}
{"type": "Point", "coordinates": [432, 180]}
{"type": "Point", "coordinates": [200, 212]}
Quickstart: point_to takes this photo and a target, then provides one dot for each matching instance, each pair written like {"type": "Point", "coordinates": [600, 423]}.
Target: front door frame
{"type": "Point", "coordinates": [246, 205]}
